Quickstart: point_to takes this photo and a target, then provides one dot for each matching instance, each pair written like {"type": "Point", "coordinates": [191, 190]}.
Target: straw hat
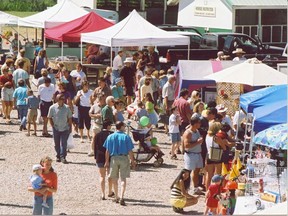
{"type": "Point", "coordinates": [221, 108]}
{"type": "Point", "coordinates": [238, 50]}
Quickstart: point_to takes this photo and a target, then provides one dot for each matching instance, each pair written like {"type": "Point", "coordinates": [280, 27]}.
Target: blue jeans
{"type": "Point", "coordinates": [60, 140]}
{"type": "Point", "coordinates": [23, 109]}
{"type": "Point", "coordinates": [38, 209]}
{"type": "Point", "coordinates": [115, 74]}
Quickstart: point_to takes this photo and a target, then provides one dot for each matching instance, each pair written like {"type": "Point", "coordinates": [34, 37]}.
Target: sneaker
{"type": "Point", "coordinates": [178, 210]}
{"type": "Point", "coordinates": [64, 161]}
{"type": "Point", "coordinates": [45, 205]}
{"type": "Point", "coordinates": [111, 195]}
{"type": "Point", "coordinates": [58, 160]}
{"type": "Point", "coordinates": [20, 128]}
{"type": "Point", "coordinates": [197, 191]}
{"type": "Point", "coordinates": [122, 202]}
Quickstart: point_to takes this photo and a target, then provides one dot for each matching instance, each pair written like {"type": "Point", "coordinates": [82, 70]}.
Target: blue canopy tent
{"type": "Point", "coordinates": [269, 115]}
{"type": "Point", "coordinates": [262, 97]}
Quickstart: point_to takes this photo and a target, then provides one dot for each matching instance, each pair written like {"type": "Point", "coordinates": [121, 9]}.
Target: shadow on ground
{"type": "Point", "coordinates": [16, 205]}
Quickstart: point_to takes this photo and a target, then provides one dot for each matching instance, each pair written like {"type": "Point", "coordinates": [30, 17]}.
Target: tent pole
{"type": "Point", "coordinates": [188, 51]}
{"type": "Point", "coordinates": [246, 128]}
{"type": "Point", "coordinates": [18, 40]}
{"type": "Point", "coordinates": [81, 50]}
{"type": "Point", "coordinates": [237, 126]}
{"type": "Point", "coordinates": [251, 139]}
{"type": "Point", "coordinates": [62, 51]}
{"type": "Point", "coordinates": [111, 57]}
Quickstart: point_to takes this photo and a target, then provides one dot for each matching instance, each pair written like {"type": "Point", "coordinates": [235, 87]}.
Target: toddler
{"type": "Point", "coordinates": [140, 111]}
{"type": "Point", "coordinates": [37, 182]}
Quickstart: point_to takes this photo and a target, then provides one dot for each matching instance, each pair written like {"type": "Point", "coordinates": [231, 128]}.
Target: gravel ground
{"type": "Point", "coordinates": [78, 188]}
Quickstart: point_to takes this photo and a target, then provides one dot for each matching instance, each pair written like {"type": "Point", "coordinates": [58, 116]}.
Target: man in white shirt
{"type": "Point", "coordinates": [46, 95]}
{"type": "Point", "coordinates": [239, 55]}
{"type": "Point", "coordinates": [117, 65]}
{"type": "Point", "coordinates": [79, 75]}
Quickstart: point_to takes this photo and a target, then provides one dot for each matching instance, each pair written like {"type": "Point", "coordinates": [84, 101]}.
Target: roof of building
{"type": "Point", "coordinates": [258, 2]}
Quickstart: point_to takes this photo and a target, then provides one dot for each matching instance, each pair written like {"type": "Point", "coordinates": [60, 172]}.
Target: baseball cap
{"type": "Point", "coordinates": [36, 167]}
{"type": "Point", "coordinates": [216, 178]}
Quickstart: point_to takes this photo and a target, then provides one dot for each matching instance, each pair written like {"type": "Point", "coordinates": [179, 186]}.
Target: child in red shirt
{"type": "Point", "coordinates": [213, 191]}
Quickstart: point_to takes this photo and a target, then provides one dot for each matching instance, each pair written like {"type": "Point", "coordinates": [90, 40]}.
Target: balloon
{"type": "Point", "coordinates": [144, 121]}
{"type": "Point", "coordinates": [154, 141]}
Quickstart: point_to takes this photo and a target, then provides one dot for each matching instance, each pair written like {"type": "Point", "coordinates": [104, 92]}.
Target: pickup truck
{"type": "Point", "coordinates": [211, 43]}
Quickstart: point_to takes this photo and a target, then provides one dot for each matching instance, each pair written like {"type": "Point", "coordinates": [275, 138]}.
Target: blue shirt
{"type": "Point", "coordinates": [20, 94]}
{"type": "Point", "coordinates": [117, 92]}
{"type": "Point", "coordinates": [20, 74]}
{"type": "Point", "coordinates": [36, 181]}
{"type": "Point", "coordinates": [162, 81]}
{"type": "Point", "coordinates": [33, 102]}
{"type": "Point", "coordinates": [118, 143]}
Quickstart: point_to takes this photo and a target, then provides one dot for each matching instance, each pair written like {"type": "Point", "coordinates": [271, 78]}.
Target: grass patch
{"type": "Point", "coordinates": [21, 13]}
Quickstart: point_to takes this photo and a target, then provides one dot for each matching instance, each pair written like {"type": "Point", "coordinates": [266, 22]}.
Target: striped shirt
{"type": "Point", "coordinates": [176, 192]}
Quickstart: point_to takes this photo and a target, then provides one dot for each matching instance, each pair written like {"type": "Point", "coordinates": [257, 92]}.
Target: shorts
{"type": "Point", "coordinates": [7, 94]}
{"type": "Point", "coordinates": [75, 121]}
{"type": "Point", "coordinates": [96, 128]}
{"type": "Point", "coordinates": [44, 108]}
{"type": "Point", "coordinates": [100, 165]}
{"type": "Point", "coordinates": [119, 164]}
{"type": "Point", "coordinates": [32, 115]}
{"type": "Point", "coordinates": [129, 91]}
{"type": "Point", "coordinates": [175, 137]}
{"type": "Point", "coordinates": [193, 161]}
{"type": "Point", "coordinates": [178, 203]}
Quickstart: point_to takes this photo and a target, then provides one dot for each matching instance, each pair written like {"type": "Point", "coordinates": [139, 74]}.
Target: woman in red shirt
{"type": "Point", "coordinates": [50, 179]}
{"type": "Point", "coordinates": [7, 89]}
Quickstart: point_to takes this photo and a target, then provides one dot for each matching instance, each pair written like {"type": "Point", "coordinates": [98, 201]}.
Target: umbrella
{"type": "Point", "coordinates": [274, 137]}
{"type": "Point", "coordinates": [250, 72]}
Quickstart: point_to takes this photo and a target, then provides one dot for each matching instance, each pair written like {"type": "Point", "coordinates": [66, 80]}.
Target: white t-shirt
{"type": "Point", "coordinates": [236, 117]}
{"type": "Point", "coordinates": [46, 93]}
{"type": "Point", "coordinates": [85, 98]}
{"type": "Point", "coordinates": [173, 126]}
{"type": "Point", "coordinates": [75, 111]}
{"type": "Point", "coordinates": [75, 74]}
{"type": "Point", "coordinates": [96, 109]}
{"type": "Point", "coordinates": [117, 63]}
{"type": "Point", "coordinates": [144, 90]}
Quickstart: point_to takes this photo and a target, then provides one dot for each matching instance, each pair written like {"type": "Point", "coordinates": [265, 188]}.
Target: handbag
{"type": "Point", "coordinates": [215, 154]}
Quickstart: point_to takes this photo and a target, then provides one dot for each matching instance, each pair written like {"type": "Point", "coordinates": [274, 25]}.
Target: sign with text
{"type": "Point", "coordinates": [205, 11]}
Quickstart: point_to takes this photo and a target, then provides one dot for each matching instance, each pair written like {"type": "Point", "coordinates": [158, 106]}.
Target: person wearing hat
{"type": "Point", "coordinates": [116, 66]}
{"type": "Point", "coordinates": [27, 64]}
{"type": "Point", "coordinates": [117, 90]}
{"type": "Point", "coordinates": [128, 76]}
{"type": "Point", "coordinates": [222, 110]}
{"type": "Point", "coordinates": [239, 54]}
{"type": "Point", "coordinates": [36, 182]}
{"type": "Point", "coordinates": [212, 194]}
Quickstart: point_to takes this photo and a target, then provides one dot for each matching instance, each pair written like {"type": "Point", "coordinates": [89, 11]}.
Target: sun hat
{"type": "Point", "coordinates": [36, 167]}
{"type": "Point", "coordinates": [238, 50]}
{"type": "Point", "coordinates": [216, 178]}
{"type": "Point", "coordinates": [129, 59]}
{"type": "Point", "coordinates": [221, 108]}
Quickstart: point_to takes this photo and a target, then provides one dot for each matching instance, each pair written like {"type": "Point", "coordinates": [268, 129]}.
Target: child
{"type": "Point", "coordinates": [118, 115]}
{"type": "Point", "coordinates": [33, 105]}
{"type": "Point", "coordinates": [151, 141]}
{"type": "Point", "coordinates": [75, 121]}
{"type": "Point", "coordinates": [37, 182]}
{"type": "Point", "coordinates": [149, 105]}
{"type": "Point", "coordinates": [212, 195]}
{"type": "Point", "coordinates": [117, 90]}
{"type": "Point", "coordinates": [140, 111]}
{"type": "Point", "coordinates": [174, 123]}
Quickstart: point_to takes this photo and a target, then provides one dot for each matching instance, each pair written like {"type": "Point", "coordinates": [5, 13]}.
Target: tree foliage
{"type": "Point", "coordinates": [26, 5]}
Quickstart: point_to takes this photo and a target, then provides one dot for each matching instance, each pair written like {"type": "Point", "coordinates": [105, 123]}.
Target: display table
{"type": "Point", "coordinates": [69, 65]}
{"type": "Point", "coordinates": [94, 71]}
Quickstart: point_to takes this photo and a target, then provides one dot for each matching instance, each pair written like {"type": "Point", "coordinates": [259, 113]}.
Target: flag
{"type": "Point", "coordinates": [224, 170]}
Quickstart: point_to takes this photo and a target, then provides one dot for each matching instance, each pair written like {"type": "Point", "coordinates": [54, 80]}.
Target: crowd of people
{"type": "Point", "coordinates": [65, 100]}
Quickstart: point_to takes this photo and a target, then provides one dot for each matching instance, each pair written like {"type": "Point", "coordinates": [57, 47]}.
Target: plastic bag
{"type": "Point", "coordinates": [70, 142]}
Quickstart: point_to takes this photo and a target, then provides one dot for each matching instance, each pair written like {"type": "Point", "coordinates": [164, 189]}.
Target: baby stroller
{"type": "Point", "coordinates": [144, 154]}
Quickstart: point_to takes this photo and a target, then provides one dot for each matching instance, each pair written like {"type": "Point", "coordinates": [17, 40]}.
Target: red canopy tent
{"type": "Point", "coordinates": [70, 32]}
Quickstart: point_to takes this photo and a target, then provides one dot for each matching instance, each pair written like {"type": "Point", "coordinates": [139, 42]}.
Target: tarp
{"type": "Point", "coordinates": [191, 73]}
{"type": "Point", "coordinates": [56, 15]}
{"type": "Point", "coordinates": [250, 73]}
{"type": "Point", "coordinates": [262, 97]}
{"type": "Point", "coordinates": [70, 31]}
{"type": "Point", "coordinates": [8, 19]}
{"type": "Point", "coordinates": [269, 115]}
{"type": "Point", "coordinates": [134, 30]}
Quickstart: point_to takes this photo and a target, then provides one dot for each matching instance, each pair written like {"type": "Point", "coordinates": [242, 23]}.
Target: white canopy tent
{"type": "Point", "coordinates": [8, 19]}
{"type": "Point", "coordinates": [60, 13]}
{"type": "Point", "coordinates": [134, 30]}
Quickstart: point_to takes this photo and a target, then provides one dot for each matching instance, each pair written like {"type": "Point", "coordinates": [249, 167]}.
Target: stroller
{"type": "Point", "coordinates": [144, 154]}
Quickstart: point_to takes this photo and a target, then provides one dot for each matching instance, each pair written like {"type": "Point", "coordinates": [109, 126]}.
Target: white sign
{"type": "Point", "coordinates": [205, 11]}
